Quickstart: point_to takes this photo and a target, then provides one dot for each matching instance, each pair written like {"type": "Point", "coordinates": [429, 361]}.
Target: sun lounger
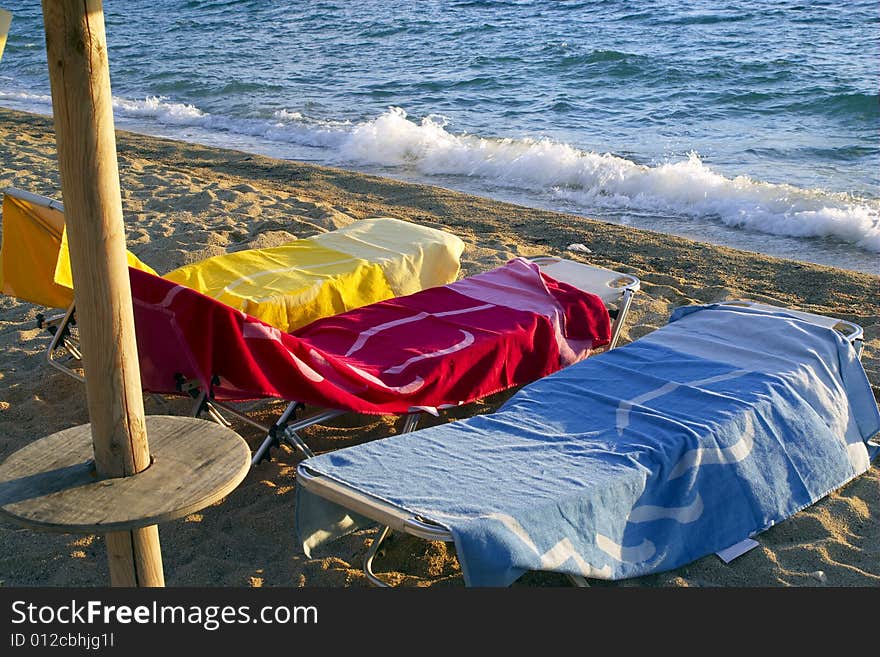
{"type": "Point", "coordinates": [287, 286]}
{"type": "Point", "coordinates": [435, 349]}
{"type": "Point", "coordinates": [707, 431]}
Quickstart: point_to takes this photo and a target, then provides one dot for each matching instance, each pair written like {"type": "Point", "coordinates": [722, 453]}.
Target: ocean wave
{"type": "Point", "coordinates": [156, 107]}
{"type": "Point", "coordinates": [698, 18]}
{"type": "Point", "coordinates": [605, 181]}
{"type": "Point", "coordinates": [594, 181]}
{"type": "Point", "coordinates": [599, 57]}
{"type": "Point", "coordinates": [36, 102]}
{"type": "Point", "coordinates": [284, 126]}
{"type": "Point", "coordinates": [863, 105]}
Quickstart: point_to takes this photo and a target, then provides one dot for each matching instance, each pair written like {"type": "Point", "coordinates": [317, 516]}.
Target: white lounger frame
{"type": "Point", "coordinates": [394, 518]}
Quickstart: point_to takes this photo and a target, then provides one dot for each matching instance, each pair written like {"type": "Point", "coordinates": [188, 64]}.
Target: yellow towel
{"type": "Point", "coordinates": [63, 275]}
{"type": "Point", "coordinates": [292, 285]}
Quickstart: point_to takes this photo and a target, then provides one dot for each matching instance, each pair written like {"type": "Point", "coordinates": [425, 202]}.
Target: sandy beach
{"type": "Point", "coordinates": [184, 202]}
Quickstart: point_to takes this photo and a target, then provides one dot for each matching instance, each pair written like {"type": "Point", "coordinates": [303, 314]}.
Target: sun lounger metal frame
{"type": "Point", "coordinates": [394, 518]}
{"type": "Point", "coordinates": [36, 199]}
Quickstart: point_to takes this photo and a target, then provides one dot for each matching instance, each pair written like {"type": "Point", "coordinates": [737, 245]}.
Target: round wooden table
{"type": "Point", "coordinates": [52, 485]}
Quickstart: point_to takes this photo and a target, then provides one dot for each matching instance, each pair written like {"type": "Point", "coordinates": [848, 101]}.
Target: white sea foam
{"type": "Point", "coordinates": [592, 180]}
{"type": "Point", "coordinates": [160, 109]}
{"type": "Point", "coordinates": [688, 187]}
{"type": "Point", "coordinates": [284, 127]}
{"type": "Point", "coordinates": [24, 100]}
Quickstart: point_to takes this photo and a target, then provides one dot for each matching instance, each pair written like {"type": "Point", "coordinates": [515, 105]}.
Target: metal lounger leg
{"type": "Point", "coordinates": [580, 581]}
{"type": "Point", "coordinates": [293, 438]}
{"type": "Point", "coordinates": [72, 348]}
{"type": "Point", "coordinates": [621, 316]}
{"type": "Point", "coordinates": [577, 580]}
{"type": "Point", "coordinates": [214, 406]}
{"type": "Point", "coordinates": [201, 404]}
{"type": "Point", "coordinates": [266, 445]}
{"type": "Point", "coordinates": [411, 423]}
{"type": "Point", "coordinates": [371, 554]}
{"type": "Point", "coordinates": [59, 339]}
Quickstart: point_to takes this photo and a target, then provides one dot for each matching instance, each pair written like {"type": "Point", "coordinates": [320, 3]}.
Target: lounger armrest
{"type": "Point", "coordinates": [366, 505]}
{"type": "Point", "coordinates": [607, 284]}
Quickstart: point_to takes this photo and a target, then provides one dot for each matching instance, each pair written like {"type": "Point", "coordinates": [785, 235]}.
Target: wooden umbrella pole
{"type": "Point", "coordinates": [76, 48]}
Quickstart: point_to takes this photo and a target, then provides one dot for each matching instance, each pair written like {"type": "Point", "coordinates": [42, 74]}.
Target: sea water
{"type": "Point", "coordinates": [749, 123]}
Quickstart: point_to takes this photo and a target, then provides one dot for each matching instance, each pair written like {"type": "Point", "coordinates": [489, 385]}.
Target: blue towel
{"type": "Point", "coordinates": [682, 443]}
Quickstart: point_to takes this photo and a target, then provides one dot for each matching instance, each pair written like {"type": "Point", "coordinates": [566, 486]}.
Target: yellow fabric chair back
{"type": "Point", "coordinates": [34, 261]}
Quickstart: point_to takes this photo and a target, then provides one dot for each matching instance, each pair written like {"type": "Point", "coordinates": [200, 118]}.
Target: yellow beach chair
{"type": "Point", "coordinates": [34, 262]}
{"type": "Point", "coordinates": [286, 286]}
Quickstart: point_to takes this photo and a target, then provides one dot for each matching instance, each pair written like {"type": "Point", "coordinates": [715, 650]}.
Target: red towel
{"type": "Point", "coordinates": [439, 347]}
